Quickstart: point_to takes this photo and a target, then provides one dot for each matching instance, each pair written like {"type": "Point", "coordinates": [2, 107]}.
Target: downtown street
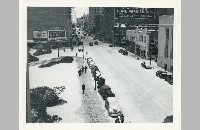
{"type": "Point", "coordinates": [142, 96]}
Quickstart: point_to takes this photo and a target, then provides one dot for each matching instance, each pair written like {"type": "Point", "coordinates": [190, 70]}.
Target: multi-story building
{"type": "Point", "coordinates": [94, 12]}
{"type": "Point", "coordinates": [42, 19]}
{"type": "Point", "coordinates": [79, 22]}
{"type": "Point", "coordinates": [165, 42]}
{"type": "Point", "coordinates": [86, 22]}
{"type": "Point", "coordinates": [142, 42]}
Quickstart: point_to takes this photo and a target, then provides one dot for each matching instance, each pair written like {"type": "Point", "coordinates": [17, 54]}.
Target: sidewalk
{"type": "Point", "coordinates": [92, 105]}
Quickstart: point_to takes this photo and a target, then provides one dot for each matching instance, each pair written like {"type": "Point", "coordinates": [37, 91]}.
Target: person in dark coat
{"type": "Point", "coordinates": [82, 69]}
{"type": "Point", "coordinates": [117, 120]}
{"type": "Point", "coordinates": [165, 67]}
{"type": "Point", "coordinates": [79, 72]}
{"type": "Point", "coordinates": [122, 118]}
{"type": "Point", "coordinates": [83, 88]}
{"type": "Point", "coordinates": [76, 54]}
{"type": "Point", "coordinates": [85, 69]}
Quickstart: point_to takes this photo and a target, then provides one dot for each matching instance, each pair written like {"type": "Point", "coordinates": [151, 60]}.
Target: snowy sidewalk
{"type": "Point", "coordinates": [92, 105]}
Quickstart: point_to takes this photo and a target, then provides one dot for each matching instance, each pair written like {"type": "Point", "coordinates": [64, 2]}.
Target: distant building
{"type": "Point", "coordinates": [142, 42]}
{"type": "Point", "coordinates": [86, 22]}
{"type": "Point", "coordinates": [165, 42]}
{"type": "Point", "coordinates": [94, 12]}
{"type": "Point", "coordinates": [79, 22]}
{"type": "Point", "coordinates": [48, 22]}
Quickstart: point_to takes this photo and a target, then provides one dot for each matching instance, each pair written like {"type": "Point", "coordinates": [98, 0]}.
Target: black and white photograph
{"type": "Point", "coordinates": [99, 65]}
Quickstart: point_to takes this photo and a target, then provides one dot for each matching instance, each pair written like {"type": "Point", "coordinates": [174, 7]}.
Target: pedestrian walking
{"type": "Point", "coordinates": [85, 69]}
{"type": "Point", "coordinates": [82, 69]}
{"type": "Point", "coordinates": [83, 88]}
{"type": "Point", "coordinates": [122, 118]}
{"type": "Point", "coordinates": [117, 120]}
{"type": "Point", "coordinates": [165, 67]}
{"type": "Point", "coordinates": [76, 54]}
{"type": "Point", "coordinates": [79, 72]}
{"type": "Point", "coordinates": [64, 50]}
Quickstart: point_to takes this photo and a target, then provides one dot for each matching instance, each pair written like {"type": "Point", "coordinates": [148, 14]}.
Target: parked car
{"type": "Point", "coordinates": [105, 92]}
{"type": "Point", "coordinates": [89, 59]}
{"type": "Point", "coordinates": [120, 50]}
{"type": "Point", "coordinates": [101, 82]}
{"type": "Point", "coordinates": [143, 64]}
{"type": "Point", "coordinates": [96, 43]}
{"type": "Point", "coordinates": [111, 104]}
{"type": "Point", "coordinates": [91, 43]}
{"type": "Point", "coordinates": [161, 74]}
{"type": "Point", "coordinates": [169, 79]}
{"type": "Point", "coordinates": [124, 52]}
{"type": "Point", "coordinates": [110, 45]}
{"type": "Point", "coordinates": [81, 43]}
{"type": "Point", "coordinates": [104, 41]}
{"type": "Point", "coordinates": [94, 38]}
{"type": "Point", "coordinates": [90, 64]}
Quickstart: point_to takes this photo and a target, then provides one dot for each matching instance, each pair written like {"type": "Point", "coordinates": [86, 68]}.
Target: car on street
{"type": "Point", "coordinates": [144, 65]}
{"type": "Point", "coordinates": [90, 64]}
{"type": "Point", "coordinates": [105, 92]}
{"type": "Point", "coordinates": [120, 50]}
{"type": "Point", "coordinates": [110, 45]}
{"type": "Point", "coordinates": [91, 43]}
{"type": "Point", "coordinates": [111, 104]}
{"type": "Point", "coordinates": [96, 43]}
{"type": "Point", "coordinates": [169, 79]}
{"type": "Point", "coordinates": [125, 52]}
{"type": "Point", "coordinates": [89, 59]}
{"type": "Point", "coordinates": [161, 74]}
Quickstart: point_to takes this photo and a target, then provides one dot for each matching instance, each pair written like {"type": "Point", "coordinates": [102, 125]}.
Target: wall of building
{"type": "Point", "coordinates": [44, 18]}
{"type": "Point", "coordinates": [165, 21]}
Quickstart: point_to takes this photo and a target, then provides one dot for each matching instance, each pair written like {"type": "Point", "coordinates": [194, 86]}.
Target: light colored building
{"type": "Point", "coordinates": [165, 42]}
{"type": "Point", "coordinates": [140, 42]}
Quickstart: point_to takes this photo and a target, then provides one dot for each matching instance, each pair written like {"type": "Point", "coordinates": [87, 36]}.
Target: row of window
{"type": "Point", "coordinates": [141, 38]}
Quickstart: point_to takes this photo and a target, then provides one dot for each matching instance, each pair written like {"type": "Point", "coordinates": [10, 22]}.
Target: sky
{"type": "Point", "coordinates": [80, 11]}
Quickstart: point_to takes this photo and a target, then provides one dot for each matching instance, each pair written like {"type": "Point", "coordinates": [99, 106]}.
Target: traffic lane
{"type": "Point", "coordinates": [141, 88]}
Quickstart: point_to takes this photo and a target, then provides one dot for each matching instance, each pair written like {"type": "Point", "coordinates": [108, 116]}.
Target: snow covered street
{"type": "Point", "coordinates": [143, 97]}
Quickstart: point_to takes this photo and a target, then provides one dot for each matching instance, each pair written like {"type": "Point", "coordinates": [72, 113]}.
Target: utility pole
{"type": "Point", "coordinates": [95, 80]}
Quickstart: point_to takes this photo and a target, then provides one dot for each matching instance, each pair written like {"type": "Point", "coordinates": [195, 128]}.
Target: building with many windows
{"type": "Point", "coordinates": [142, 42]}
{"type": "Point", "coordinates": [94, 14]}
{"type": "Point", "coordinates": [165, 42]}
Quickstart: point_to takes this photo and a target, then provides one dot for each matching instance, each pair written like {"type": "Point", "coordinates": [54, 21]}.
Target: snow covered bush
{"type": "Point", "coordinates": [65, 59]}
{"type": "Point", "coordinates": [41, 98]}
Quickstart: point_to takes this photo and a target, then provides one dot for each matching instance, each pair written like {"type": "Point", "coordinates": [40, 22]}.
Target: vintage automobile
{"type": "Point", "coordinates": [124, 52]}
{"type": "Point", "coordinates": [90, 64]}
{"type": "Point", "coordinates": [81, 43]}
{"type": "Point", "coordinates": [89, 59]}
{"type": "Point", "coordinates": [96, 43]}
{"type": "Point", "coordinates": [143, 64]}
{"type": "Point", "coordinates": [110, 45]}
{"type": "Point", "coordinates": [91, 43]}
{"type": "Point", "coordinates": [169, 79]}
{"type": "Point", "coordinates": [105, 92]}
{"type": "Point", "coordinates": [120, 50]}
{"type": "Point", "coordinates": [101, 82]}
{"type": "Point", "coordinates": [161, 74]}
{"type": "Point", "coordinates": [94, 68]}
{"type": "Point", "coordinates": [111, 104]}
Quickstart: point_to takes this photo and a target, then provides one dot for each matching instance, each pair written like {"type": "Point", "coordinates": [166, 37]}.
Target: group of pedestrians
{"type": "Point", "coordinates": [81, 71]}
{"type": "Point", "coordinates": [120, 119]}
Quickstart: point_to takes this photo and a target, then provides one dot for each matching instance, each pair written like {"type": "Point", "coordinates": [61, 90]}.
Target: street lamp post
{"type": "Point", "coordinates": [95, 87]}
